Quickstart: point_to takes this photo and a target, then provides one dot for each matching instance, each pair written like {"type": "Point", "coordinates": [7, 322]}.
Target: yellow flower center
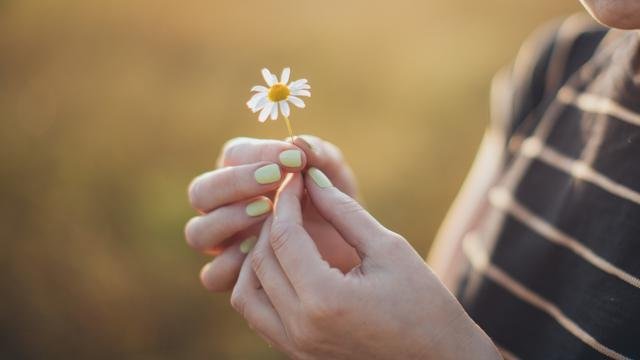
{"type": "Point", "coordinates": [278, 92]}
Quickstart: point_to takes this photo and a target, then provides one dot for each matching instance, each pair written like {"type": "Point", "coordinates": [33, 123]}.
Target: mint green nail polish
{"type": "Point", "coordinates": [319, 178]}
{"type": "Point", "coordinates": [248, 244]}
{"type": "Point", "coordinates": [291, 158]}
{"type": "Point", "coordinates": [268, 174]}
{"type": "Point", "coordinates": [258, 207]}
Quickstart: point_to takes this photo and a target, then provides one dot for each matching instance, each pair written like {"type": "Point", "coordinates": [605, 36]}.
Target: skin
{"type": "Point", "coordinates": [619, 14]}
{"type": "Point", "coordinates": [325, 278]}
{"type": "Point", "coordinates": [297, 289]}
{"type": "Point", "coordinates": [295, 300]}
{"type": "Point", "coordinates": [446, 253]}
{"type": "Point", "coordinates": [221, 195]}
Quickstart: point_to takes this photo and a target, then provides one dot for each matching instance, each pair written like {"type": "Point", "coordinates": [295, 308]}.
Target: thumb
{"type": "Point", "coordinates": [348, 217]}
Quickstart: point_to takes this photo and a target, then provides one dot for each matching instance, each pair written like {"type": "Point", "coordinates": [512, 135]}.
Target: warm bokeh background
{"type": "Point", "coordinates": [109, 108]}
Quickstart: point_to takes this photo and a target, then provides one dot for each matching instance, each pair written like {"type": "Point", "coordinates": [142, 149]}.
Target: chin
{"type": "Point", "coordinates": [619, 14]}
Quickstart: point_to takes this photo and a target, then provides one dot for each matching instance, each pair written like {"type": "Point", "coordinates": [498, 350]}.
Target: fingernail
{"type": "Point", "coordinates": [258, 207]}
{"type": "Point", "coordinates": [268, 174]}
{"type": "Point", "coordinates": [248, 244]}
{"type": "Point", "coordinates": [291, 158]}
{"type": "Point", "coordinates": [319, 178]}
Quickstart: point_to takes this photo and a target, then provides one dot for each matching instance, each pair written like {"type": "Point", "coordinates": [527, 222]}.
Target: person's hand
{"type": "Point", "coordinates": [234, 200]}
{"type": "Point", "coordinates": [390, 307]}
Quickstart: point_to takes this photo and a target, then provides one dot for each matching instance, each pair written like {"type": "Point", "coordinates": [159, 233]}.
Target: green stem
{"type": "Point", "coordinates": [286, 120]}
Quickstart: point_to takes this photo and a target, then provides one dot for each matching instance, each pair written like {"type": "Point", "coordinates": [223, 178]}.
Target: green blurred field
{"type": "Point", "coordinates": [109, 108]}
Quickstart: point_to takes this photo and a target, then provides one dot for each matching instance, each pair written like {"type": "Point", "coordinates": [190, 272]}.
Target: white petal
{"type": "Point", "coordinates": [274, 111]}
{"type": "Point", "coordinates": [254, 100]}
{"type": "Point", "coordinates": [301, 93]}
{"type": "Point", "coordinates": [284, 78]}
{"type": "Point", "coordinates": [260, 104]}
{"type": "Point", "coordinates": [297, 83]}
{"type": "Point", "coordinates": [268, 77]}
{"type": "Point", "coordinates": [284, 107]}
{"type": "Point", "coordinates": [296, 101]}
{"type": "Point", "coordinates": [266, 110]}
{"type": "Point", "coordinates": [275, 78]}
{"type": "Point", "coordinates": [259, 88]}
{"type": "Point", "coordinates": [300, 87]}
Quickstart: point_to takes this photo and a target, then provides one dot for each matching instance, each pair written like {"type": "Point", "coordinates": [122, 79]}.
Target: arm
{"type": "Point", "coordinates": [446, 255]}
{"type": "Point", "coordinates": [390, 307]}
{"type": "Point", "coordinates": [516, 92]}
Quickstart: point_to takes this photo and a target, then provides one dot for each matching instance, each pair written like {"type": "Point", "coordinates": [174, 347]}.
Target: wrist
{"type": "Point", "coordinates": [480, 345]}
{"type": "Point", "coordinates": [465, 340]}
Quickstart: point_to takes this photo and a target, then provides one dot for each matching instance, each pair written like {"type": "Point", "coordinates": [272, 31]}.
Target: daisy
{"type": "Point", "coordinates": [278, 96]}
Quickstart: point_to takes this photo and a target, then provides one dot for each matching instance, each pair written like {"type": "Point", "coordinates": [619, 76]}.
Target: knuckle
{"type": "Point", "coordinates": [302, 339]}
{"type": "Point", "coordinates": [229, 149]}
{"type": "Point", "coordinates": [395, 237]}
{"type": "Point", "coordinates": [394, 243]}
{"type": "Point", "coordinates": [321, 309]}
{"type": "Point", "coordinates": [191, 231]}
{"type": "Point", "coordinates": [238, 301]}
{"type": "Point", "coordinates": [235, 181]}
{"type": "Point", "coordinates": [347, 206]}
{"type": "Point", "coordinates": [213, 188]}
{"type": "Point", "coordinates": [231, 143]}
{"type": "Point", "coordinates": [258, 258]}
{"type": "Point", "coordinates": [266, 152]}
{"type": "Point", "coordinates": [280, 235]}
{"type": "Point", "coordinates": [192, 192]}
{"type": "Point", "coordinates": [230, 223]}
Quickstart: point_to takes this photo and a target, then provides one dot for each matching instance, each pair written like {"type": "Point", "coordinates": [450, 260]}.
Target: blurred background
{"type": "Point", "coordinates": [109, 108]}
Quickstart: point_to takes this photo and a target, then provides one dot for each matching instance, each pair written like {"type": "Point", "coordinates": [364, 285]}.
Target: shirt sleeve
{"type": "Point", "coordinates": [518, 89]}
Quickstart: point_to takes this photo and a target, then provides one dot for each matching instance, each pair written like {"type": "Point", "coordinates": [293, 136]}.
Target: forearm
{"type": "Point", "coordinates": [469, 341]}
{"type": "Point", "coordinates": [446, 253]}
{"type": "Point", "coordinates": [461, 338]}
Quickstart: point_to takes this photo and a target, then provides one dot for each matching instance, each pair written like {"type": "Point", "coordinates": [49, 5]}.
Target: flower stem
{"type": "Point", "coordinates": [286, 120]}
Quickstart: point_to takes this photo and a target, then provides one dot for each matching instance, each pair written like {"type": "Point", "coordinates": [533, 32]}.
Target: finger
{"type": "Point", "coordinates": [207, 231]}
{"type": "Point", "coordinates": [254, 305]}
{"type": "Point", "coordinates": [222, 272]}
{"type": "Point", "coordinates": [273, 280]}
{"type": "Point", "coordinates": [325, 155]}
{"type": "Point", "coordinates": [352, 221]}
{"type": "Point", "coordinates": [253, 230]}
{"type": "Point", "coordinates": [295, 250]}
{"type": "Point", "coordinates": [240, 151]}
{"type": "Point", "coordinates": [228, 185]}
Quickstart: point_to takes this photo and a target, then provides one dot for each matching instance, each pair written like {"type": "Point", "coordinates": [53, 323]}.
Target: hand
{"type": "Point", "coordinates": [390, 307]}
{"type": "Point", "coordinates": [227, 229]}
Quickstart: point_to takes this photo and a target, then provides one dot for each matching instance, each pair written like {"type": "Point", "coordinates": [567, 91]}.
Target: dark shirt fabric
{"type": "Point", "coordinates": [554, 264]}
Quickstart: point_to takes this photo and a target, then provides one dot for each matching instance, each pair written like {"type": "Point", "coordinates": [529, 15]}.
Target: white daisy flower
{"type": "Point", "coordinates": [278, 95]}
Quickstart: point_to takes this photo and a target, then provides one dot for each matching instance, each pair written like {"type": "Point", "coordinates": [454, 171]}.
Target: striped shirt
{"type": "Point", "coordinates": [553, 267]}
